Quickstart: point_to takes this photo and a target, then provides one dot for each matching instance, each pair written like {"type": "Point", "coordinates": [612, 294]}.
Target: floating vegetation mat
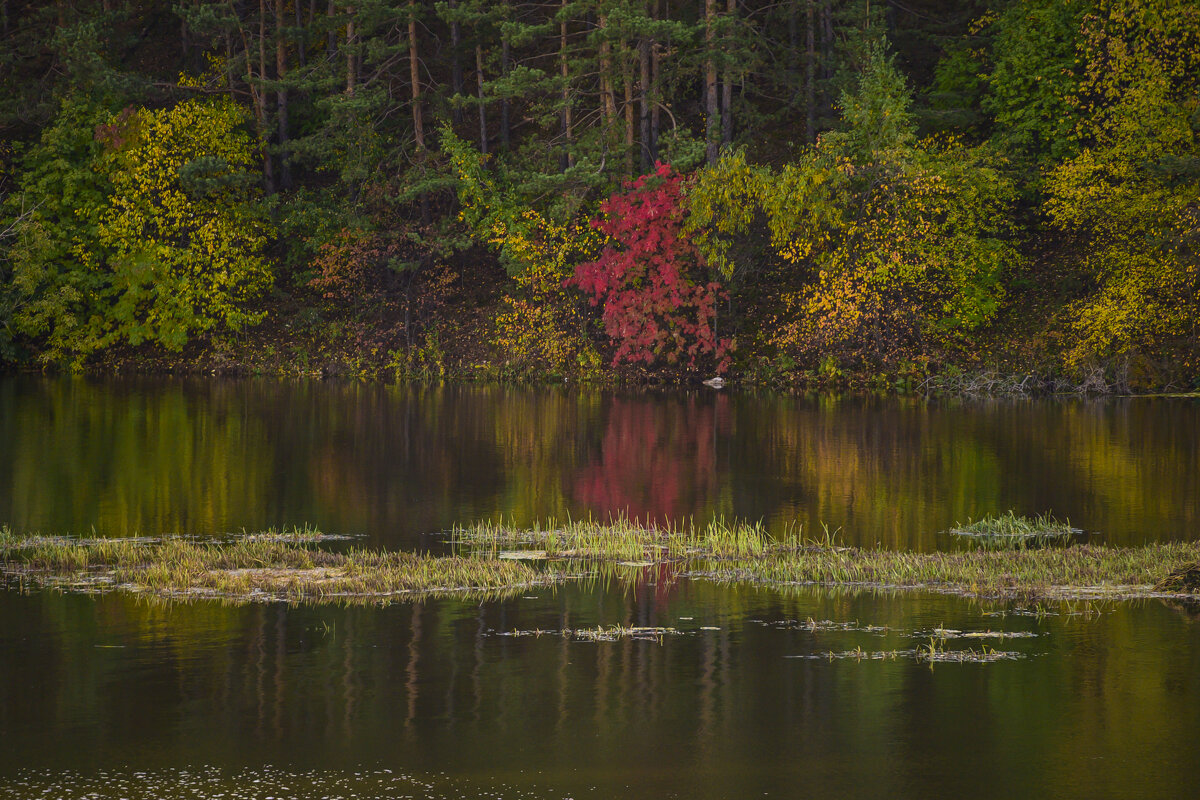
{"type": "Point", "coordinates": [270, 566]}
{"type": "Point", "coordinates": [499, 560]}
{"type": "Point", "coordinates": [1008, 531]}
{"type": "Point", "coordinates": [929, 654]}
{"type": "Point", "coordinates": [612, 633]}
{"type": "Point", "coordinates": [1080, 572]}
{"type": "Point", "coordinates": [740, 553]}
{"type": "Point", "coordinates": [950, 633]}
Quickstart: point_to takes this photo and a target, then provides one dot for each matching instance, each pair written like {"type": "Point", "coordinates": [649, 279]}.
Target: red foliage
{"type": "Point", "coordinates": [652, 305]}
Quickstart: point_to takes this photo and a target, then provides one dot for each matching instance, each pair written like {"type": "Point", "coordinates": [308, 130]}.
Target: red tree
{"type": "Point", "coordinates": [653, 307]}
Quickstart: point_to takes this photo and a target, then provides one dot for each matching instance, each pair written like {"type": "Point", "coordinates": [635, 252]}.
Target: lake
{"type": "Point", "coordinates": [775, 692]}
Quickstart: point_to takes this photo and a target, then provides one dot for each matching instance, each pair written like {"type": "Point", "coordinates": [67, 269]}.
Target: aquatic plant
{"type": "Point", "coordinates": [1010, 531]}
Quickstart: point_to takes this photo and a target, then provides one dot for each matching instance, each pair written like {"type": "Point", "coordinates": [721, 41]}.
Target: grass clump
{"type": "Point", "coordinates": [621, 539]}
{"type": "Point", "coordinates": [259, 567]}
{"type": "Point", "coordinates": [1008, 531]}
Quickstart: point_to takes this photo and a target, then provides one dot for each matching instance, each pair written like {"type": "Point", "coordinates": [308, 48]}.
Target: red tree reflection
{"type": "Point", "coordinates": [657, 461]}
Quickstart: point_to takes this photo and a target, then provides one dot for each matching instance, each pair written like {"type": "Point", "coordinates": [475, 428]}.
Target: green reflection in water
{"type": "Point", "coordinates": [400, 463]}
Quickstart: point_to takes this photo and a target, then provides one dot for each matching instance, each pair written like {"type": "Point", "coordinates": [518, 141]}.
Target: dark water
{"type": "Point", "coordinates": [116, 697]}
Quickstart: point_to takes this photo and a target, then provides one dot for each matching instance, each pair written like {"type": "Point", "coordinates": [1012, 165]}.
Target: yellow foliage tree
{"type": "Point", "coordinates": [183, 232]}
{"type": "Point", "coordinates": [1131, 198]}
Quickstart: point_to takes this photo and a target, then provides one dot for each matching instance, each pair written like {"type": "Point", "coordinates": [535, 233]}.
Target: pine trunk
{"type": "Point", "coordinates": [569, 159]}
{"type": "Point", "coordinates": [608, 102]}
{"type": "Point", "coordinates": [727, 89]}
{"type": "Point", "coordinates": [351, 76]}
{"type": "Point", "coordinates": [629, 117]}
{"type": "Point", "coordinates": [644, 121]}
{"type": "Point", "coordinates": [483, 132]}
{"type": "Point", "coordinates": [504, 101]}
{"type": "Point", "coordinates": [655, 88]}
{"type": "Point", "coordinates": [260, 98]}
{"type": "Point", "coordinates": [810, 78]}
{"type": "Point", "coordinates": [414, 69]}
{"type": "Point", "coordinates": [712, 116]}
{"type": "Point", "coordinates": [456, 72]}
{"type": "Point", "coordinates": [331, 32]}
{"type": "Point", "coordinates": [281, 97]}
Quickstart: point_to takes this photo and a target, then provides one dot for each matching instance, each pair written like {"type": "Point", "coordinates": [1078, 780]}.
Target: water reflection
{"type": "Point", "coordinates": [1101, 706]}
{"type": "Point", "coordinates": [399, 463]}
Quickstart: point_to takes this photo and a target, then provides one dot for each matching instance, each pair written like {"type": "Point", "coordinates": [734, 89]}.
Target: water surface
{"type": "Point", "coordinates": [761, 692]}
{"type": "Point", "coordinates": [395, 464]}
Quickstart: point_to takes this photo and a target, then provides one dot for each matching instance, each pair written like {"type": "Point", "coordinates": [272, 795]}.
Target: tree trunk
{"type": "Point", "coordinates": [483, 134]}
{"type": "Point", "coordinates": [569, 160]}
{"type": "Point", "coordinates": [655, 89]}
{"type": "Point", "coordinates": [712, 117]}
{"type": "Point", "coordinates": [794, 83]}
{"type": "Point", "coordinates": [629, 125]}
{"type": "Point", "coordinates": [331, 32]}
{"type": "Point", "coordinates": [301, 49]}
{"type": "Point", "coordinates": [350, 71]}
{"type": "Point", "coordinates": [810, 78]}
{"type": "Point", "coordinates": [644, 81]}
{"type": "Point", "coordinates": [414, 68]}
{"type": "Point", "coordinates": [281, 97]}
{"type": "Point", "coordinates": [260, 97]}
{"type": "Point", "coordinates": [504, 72]}
{"type": "Point", "coordinates": [456, 72]}
{"type": "Point", "coordinates": [727, 89]}
{"type": "Point", "coordinates": [827, 39]}
{"type": "Point", "coordinates": [608, 102]}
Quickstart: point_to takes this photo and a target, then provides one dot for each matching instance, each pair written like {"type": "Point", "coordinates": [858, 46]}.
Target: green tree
{"type": "Point", "coordinates": [183, 230]}
{"type": "Point", "coordinates": [898, 247]}
{"type": "Point", "coordinates": [1034, 84]}
{"type": "Point", "coordinates": [144, 226]}
{"type": "Point", "coordinates": [1130, 199]}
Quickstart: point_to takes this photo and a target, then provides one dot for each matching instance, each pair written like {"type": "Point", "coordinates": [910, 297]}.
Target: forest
{"type": "Point", "coordinates": [991, 195]}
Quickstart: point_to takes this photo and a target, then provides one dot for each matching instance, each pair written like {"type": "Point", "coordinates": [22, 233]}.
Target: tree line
{"type": "Point", "coordinates": [789, 190]}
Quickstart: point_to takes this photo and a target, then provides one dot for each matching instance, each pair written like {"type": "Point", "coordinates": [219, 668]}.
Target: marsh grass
{"type": "Point", "coordinates": [1080, 571]}
{"type": "Point", "coordinates": [291, 567]}
{"type": "Point", "coordinates": [747, 553]}
{"type": "Point", "coordinates": [622, 539]}
{"type": "Point", "coordinates": [1009, 531]}
{"type": "Point", "coordinates": [271, 566]}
